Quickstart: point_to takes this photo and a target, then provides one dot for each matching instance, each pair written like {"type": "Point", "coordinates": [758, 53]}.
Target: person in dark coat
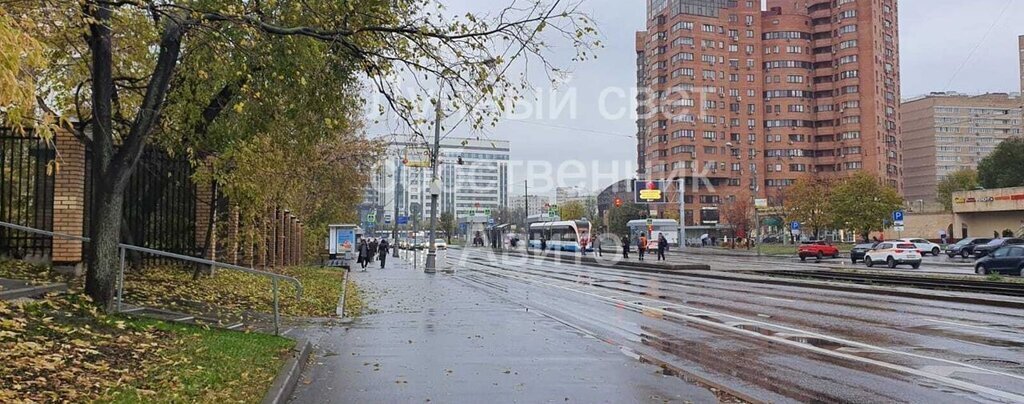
{"type": "Point", "coordinates": [625, 246]}
{"type": "Point", "coordinates": [543, 244]}
{"type": "Point", "coordinates": [364, 253]}
{"type": "Point", "coordinates": [382, 252]}
{"type": "Point", "coordinates": [662, 246]}
{"type": "Point", "coordinates": [373, 248]}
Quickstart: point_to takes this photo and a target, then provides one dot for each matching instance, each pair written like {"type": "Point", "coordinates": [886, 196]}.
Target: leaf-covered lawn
{"type": "Point", "coordinates": [171, 287]}
{"type": "Point", "coordinates": [62, 350]}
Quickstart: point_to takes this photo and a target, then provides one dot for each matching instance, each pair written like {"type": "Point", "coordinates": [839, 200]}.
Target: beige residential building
{"type": "Point", "coordinates": [945, 132]}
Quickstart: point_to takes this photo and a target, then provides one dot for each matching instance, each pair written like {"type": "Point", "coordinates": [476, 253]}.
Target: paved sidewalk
{"type": "Point", "coordinates": [436, 338]}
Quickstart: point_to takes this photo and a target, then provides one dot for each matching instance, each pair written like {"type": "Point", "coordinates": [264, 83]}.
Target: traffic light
{"type": "Point", "coordinates": [618, 202]}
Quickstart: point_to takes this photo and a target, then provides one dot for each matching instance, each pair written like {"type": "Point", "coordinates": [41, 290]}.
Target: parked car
{"type": "Point", "coordinates": [965, 247]}
{"type": "Point", "coordinates": [440, 244]}
{"type": "Point", "coordinates": [771, 240]}
{"type": "Point", "coordinates": [858, 251]}
{"type": "Point", "coordinates": [818, 250]}
{"type": "Point", "coordinates": [894, 253]}
{"type": "Point", "coordinates": [924, 246]}
{"type": "Point", "coordinates": [985, 249]}
{"type": "Point", "coordinates": [1008, 259]}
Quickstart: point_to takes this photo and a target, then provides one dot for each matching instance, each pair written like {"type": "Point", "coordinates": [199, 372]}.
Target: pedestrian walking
{"type": "Point", "coordinates": [625, 246]}
{"type": "Point", "coordinates": [382, 251]}
{"type": "Point", "coordinates": [641, 246]}
{"type": "Point", "coordinates": [364, 253]}
{"type": "Point", "coordinates": [663, 245]}
{"type": "Point", "coordinates": [597, 245]}
{"type": "Point", "coordinates": [583, 243]}
{"type": "Point", "coordinates": [543, 244]}
{"type": "Point", "coordinates": [373, 248]}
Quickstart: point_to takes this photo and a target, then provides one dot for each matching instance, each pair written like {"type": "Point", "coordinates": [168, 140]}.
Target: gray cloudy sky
{"type": "Point", "coordinates": [962, 45]}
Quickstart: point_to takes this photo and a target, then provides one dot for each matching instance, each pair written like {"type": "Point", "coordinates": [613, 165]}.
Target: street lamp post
{"type": "Point", "coordinates": [431, 264]}
{"type": "Point", "coordinates": [394, 228]}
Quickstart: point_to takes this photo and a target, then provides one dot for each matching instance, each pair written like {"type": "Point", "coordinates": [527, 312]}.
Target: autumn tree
{"type": "Point", "coordinates": [175, 67]}
{"type": "Point", "coordinates": [961, 180]}
{"type": "Point", "coordinates": [862, 203]}
{"type": "Point", "coordinates": [807, 202]}
{"type": "Point", "coordinates": [447, 222]}
{"type": "Point", "coordinates": [1003, 168]}
{"type": "Point", "coordinates": [619, 217]}
{"type": "Point", "coordinates": [737, 213]}
{"type": "Point", "coordinates": [572, 210]}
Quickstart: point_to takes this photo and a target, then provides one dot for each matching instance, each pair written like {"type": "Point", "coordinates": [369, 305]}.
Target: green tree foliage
{"type": "Point", "coordinates": [447, 222]}
{"type": "Point", "coordinates": [961, 180]}
{"type": "Point", "coordinates": [618, 217]}
{"type": "Point", "coordinates": [1003, 168]}
{"type": "Point", "coordinates": [572, 210]}
{"type": "Point", "coordinates": [807, 202]}
{"type": "Point", "coordinates": [862, 203]}
{"type": "Point", "coordinates": [228, 82]}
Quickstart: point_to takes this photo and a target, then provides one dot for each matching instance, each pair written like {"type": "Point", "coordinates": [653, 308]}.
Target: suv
{"type": "Point", "coordinates": [894, 253]}
{"type": "Point", "coordinates": [965, 247]}
{"type": "Point", "coordinates": [818, 250]}
{"type": "Point", "coordinates": [924, 246]}
{"type": "Point", "coordinates": [983, 250]}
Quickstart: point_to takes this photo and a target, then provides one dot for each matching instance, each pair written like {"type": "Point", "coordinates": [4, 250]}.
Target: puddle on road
{"type": "Point", "coordinates": [755, 328]}
{"type": "Point", "coordinates": [817, 342]}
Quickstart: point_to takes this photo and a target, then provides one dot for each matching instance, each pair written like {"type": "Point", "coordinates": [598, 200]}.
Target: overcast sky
{"type": "Point", "coordinates": [961, 45]}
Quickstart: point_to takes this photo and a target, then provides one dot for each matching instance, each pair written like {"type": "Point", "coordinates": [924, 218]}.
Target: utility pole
{"type": "Point", "coordinates": [526, 201]}
{"type": "Point", "coordinates": [431, 264]}
{"type": "Point", "coordinates": [394, 230]}
{"type": "Point", "coordinates": [682, 213]}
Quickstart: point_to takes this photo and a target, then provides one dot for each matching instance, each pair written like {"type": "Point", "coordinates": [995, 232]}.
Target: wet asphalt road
{"type": "Point", "coordinates": [469, 337]}
{"type": "Point", "coordinates": [778, 343]}
{"type": "Point", "coordinates": [438, 338]}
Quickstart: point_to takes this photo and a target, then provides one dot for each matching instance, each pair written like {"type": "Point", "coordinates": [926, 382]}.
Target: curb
{"type": "Point", "coordinates": [865, 289]}
{"type": "Point", "coordinates": [618, 264]}
{"type": "Point", "coordinates": [284, 384]}
{"type": "Point", "coordinates": [33, 291]}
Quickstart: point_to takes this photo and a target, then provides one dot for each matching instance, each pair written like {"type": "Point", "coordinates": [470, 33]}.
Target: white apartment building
{"type": "Point", "coordinates": [478, 185]}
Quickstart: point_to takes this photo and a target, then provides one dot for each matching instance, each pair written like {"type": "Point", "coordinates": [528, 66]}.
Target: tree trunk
{"type": "Point", "coordinates": [111, 170]}
{"type": "Point", "coordinates": [104, 234]}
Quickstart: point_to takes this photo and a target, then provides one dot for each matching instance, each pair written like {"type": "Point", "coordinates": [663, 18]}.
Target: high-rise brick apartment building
{"type": "Point", "coordinates": [740, 96]}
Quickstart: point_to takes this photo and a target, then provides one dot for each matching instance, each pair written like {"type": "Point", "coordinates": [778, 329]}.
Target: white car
{"type": "Point", "coordinates": [440, 244]}
{"type": "Point", "coordinates": [924, 246]}
{"type": "Point", "coordinates": [893, 253]}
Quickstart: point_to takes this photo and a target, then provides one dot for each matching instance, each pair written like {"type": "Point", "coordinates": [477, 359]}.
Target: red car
{"type": "Point", "coordinates": [818, 250]}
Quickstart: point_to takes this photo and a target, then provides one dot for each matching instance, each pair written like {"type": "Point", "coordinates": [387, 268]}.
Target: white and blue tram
{"type": "Point", "coordinates": [560, 236]}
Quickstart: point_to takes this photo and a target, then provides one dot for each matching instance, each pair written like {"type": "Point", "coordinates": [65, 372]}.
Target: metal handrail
{"type": "Point", "coordinates": [124, 247]}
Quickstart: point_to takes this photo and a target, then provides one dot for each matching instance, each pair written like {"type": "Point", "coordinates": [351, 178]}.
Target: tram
{"type": "Point", "coordinates": [559, 236]}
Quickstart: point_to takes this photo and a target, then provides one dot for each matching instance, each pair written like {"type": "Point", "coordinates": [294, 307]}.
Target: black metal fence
{"type": "Point", "coordinates": [159, 205]}
{"type": "Point", "coordinates": [26, 192]}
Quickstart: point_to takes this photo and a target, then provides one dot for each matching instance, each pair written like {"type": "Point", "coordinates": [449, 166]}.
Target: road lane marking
{"type": "Point", "coordinates": [959, 324]}
{"type": "Point", "coordinates": [779, 299]}
{"type": "Point", "coordinates": [896, 367]}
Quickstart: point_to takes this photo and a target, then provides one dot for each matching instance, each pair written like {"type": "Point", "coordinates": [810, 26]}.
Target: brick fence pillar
{"type": "Point", "coordinates": [299, 259]}
{"type": "Point", "coordinates": [69, 203]}
{"type": "Point", "coordinates": [204, 205]}
{"type": "Point", "coordinates": [279, 245]}
{"type": "Point", "coordinates": [231, 244]}
{"type": "Point", "coordinates": [271, 239]}
{"type": "Point", "coordinates": [260, 243]}
{"type": "Point", "coordinates": [283, 237]}
{"type": "Point", "coordinates": [295, 241]}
